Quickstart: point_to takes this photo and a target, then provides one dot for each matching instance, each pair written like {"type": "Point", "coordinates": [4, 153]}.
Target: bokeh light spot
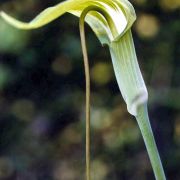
{"type": "Point", "coordinates": [170, 4]}
{"type": "Point", "coordinates": [61, 66]}
{"type": "Point", "coordinates": [14, 40]}
{"type": "Point", "coordinates": [23, 109]}
{"type": "Point", "coordinates": [101, 73]}
{"type": "Point", "coordinates": [99, 169]}
{"type": "Point", "coordinates": [100, 119]}
{"type": "Point", "coordinates": [6, 168]}
{"type": "Point", "coordinates": [147, 26]}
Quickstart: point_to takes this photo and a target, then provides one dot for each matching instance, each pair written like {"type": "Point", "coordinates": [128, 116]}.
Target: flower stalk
{"type": "Point", "coordinates": [145, 127]}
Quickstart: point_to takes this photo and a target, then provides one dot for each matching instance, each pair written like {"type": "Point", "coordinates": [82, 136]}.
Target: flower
{"type": "Point", "coordinates": [111, 21]}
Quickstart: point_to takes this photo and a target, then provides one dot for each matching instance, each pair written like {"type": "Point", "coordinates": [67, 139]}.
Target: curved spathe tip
{"type": "Point", "coordinates": [14, 22]}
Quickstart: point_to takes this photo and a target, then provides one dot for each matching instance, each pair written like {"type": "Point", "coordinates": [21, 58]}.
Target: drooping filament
{"type": "Point", "coordinates": [87, 78]}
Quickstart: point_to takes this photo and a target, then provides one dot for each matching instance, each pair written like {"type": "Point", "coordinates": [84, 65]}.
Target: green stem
{"type": "Point", "coordinates": [145, 127]}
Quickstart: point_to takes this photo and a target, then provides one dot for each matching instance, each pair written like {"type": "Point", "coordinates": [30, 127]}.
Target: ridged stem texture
{"type": "Point", "coordinates": [134, 92]}
{"type": "Point", "coordinates": [145, 127]}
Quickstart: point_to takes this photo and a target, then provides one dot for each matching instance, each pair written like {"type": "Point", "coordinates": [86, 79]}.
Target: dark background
{"type": "Point", "coordinates": [42, 97]}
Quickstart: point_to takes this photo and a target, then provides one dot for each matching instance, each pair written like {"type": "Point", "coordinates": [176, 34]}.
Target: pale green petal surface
{"type": "Point", "coordinates": [127, 72]}
{"type": "Point", "coordinates": [122, 12]}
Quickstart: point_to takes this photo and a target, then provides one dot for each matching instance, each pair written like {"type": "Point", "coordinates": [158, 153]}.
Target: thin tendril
{"type": "Point", "coordinates": [87, 77]}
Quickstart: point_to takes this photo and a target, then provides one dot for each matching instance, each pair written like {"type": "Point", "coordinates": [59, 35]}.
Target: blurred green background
{"type": "Point", "coordinates": [42, 97]}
